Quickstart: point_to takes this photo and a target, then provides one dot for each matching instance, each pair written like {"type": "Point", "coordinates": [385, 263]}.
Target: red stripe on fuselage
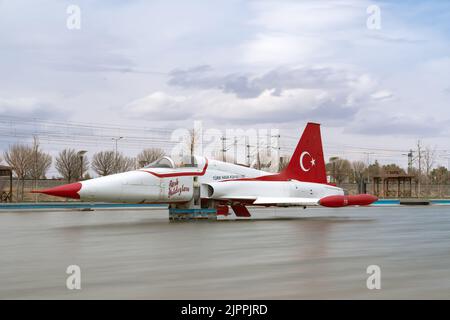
{"type": "Point", "coordinates": [179, 174]}
{"type": "Point", "coordinates": [275, 177]}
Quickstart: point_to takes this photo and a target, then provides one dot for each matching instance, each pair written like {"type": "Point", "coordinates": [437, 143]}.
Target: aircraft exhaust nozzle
{"type": "Point", "coordinates": [350, 200]}
{"type": "Point", "coordinates": [66, 191]}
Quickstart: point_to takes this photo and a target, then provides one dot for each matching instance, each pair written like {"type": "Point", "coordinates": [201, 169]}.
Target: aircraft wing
{"type": "Point", "coordinates": [287, 201]}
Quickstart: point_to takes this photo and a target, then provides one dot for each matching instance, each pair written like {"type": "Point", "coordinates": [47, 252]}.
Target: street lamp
{"type": "Point", "coordinates": [81, 155]}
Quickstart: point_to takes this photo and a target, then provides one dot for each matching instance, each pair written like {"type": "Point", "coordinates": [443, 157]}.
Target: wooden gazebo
{"type": "Point", "coordinates": [394, 184]}
{"type": "Point", "coordinates": [6, 196]}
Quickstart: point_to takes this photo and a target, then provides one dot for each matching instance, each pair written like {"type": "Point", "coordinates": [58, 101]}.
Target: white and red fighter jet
{"type": "Point", "coordinates": [198, 181]}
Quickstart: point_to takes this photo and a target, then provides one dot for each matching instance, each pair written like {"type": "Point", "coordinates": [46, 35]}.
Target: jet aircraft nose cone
{"type": "Point", "coordinates": [67, 191]}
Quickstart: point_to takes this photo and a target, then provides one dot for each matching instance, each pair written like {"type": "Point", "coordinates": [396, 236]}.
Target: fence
{"type": "Point", "coordinates": [426, 190]}
{"type": "Point", "coordinates": [29, 185]}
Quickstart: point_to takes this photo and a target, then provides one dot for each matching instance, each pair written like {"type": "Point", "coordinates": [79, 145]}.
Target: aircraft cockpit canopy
{"type": "Point", "coordinates": [164, 162]}
{"type": "Point", "coordinates": [167, 162]}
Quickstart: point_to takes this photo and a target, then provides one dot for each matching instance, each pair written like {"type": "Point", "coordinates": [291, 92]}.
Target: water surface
{"type": "Point", "coordinates": [280, 253]}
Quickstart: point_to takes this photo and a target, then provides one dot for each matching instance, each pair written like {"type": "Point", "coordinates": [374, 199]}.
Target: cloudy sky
{"type": "Point", "coordinates": [271, 64]}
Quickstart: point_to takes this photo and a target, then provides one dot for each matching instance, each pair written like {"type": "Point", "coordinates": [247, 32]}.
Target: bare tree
{"type": "Point", "coordinates": [191, 142]}
{"type": "Point", "coordinates": [263, 161]}
{"type": "Point", "coordinates": [68, 164]}
{"type": "Point", "coordinates": [372, 170]}
{"type": "Point", "coordinates": [40, 161]}
{"type": "Point", "coordinates": [392, 168]}
{"type": "Point", "coordinates": [339, 169]}
{"type": "Point", "coordinates": [194, 136]}
{"type": "Point", "coordinates": [440, 177]}
{"type": "Point", "coordinates": [125, 164]}
{"type": "Point", "coordinates": [284, 161]}
{"type": "Point", "coordinates": [109, 162]}
{"type": "Point", "coordinates": [18, 158]}
{"type": "Point", "coordinates": [103, 162]}
{"type": "Point", "coordinates": [419, 162]}
{"type": "Point", "coordinates": [429, 157]}
{"type": "Point", "coordinates": [149, 155]}
{"type": "Point", "coordinates": [359, 168]}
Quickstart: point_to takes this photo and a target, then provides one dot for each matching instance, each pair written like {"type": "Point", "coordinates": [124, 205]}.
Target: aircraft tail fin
{"type": "Point", "coordinates": [307, 163]}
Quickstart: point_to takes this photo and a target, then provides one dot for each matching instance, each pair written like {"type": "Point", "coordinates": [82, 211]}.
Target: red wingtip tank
{"type": "Point", "coordinates": [348, 200]}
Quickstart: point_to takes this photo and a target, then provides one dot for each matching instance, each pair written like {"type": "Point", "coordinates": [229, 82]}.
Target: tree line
{"type": "Point", "coordinates": [31, 162]}
{"type": "Point", "coordinates": [342, 171]}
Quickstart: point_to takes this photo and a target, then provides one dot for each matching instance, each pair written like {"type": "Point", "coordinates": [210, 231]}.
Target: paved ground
{"type": "Point", "coordinates": [281, 253]}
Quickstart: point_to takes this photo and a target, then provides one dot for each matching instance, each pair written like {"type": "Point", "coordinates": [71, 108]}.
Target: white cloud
{"type": "Point", "coordinates": [217, 106]}
{"type": "Point", "coordinates": [382, 95]}
{"type": "Point", "coordinates": [279, 49]}
{"type": "Point", "coordinates": [399, 125]}
{"type": "Point", "coordinates": [27, 107]}
{"type": "Point", "coordinates": [158, 106]}
{"type": "Point", "coordinates": [305, 17]}
{"type": "Point", "coordinates": [18, 105]}
{"type": "Point", "coordinates": [282, 95]}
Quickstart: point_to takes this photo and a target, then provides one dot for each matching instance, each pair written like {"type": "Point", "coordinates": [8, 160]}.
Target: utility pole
{"type": "Point", "coordinates": [81, 156]}
{"type": "Point", "coordinates": [35, 153]}
{"type": "Point", "coordinates": [277, 136]}
{"type": "Point", "coordinates": [277, 148]}
{"type": "Point", "coordinates": [258, 159]}
{"type": "Point", "coordinates": [247, 146]}
{"type": "Point", "coordinates": [235, 150]}
{"type": "Point", "coordinates": [410, 160]}
{"type": "Point", "coordinates": [224, 148]}
{"type": "Point", "coordinates": [368, 166]}
{"type": "Point", "coordinates": [419, 158]}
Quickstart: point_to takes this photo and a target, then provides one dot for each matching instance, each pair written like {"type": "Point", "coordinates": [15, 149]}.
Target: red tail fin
{"type": "Point", "coordinates": [307, 163]}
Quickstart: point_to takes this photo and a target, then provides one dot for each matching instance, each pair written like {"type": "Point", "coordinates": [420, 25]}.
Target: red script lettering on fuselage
{"type": "Point", "coordinates": [176, 189]}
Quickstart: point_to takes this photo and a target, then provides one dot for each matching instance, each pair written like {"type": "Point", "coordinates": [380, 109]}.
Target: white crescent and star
{"type": "Point", "coordinates": [313, 161]}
